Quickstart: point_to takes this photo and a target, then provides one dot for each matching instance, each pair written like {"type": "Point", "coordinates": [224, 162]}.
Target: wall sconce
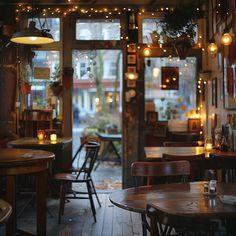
{"type": "Point", "coordinates": [131, 78]}
{"type": "Point", "coordinates": [147, 51]}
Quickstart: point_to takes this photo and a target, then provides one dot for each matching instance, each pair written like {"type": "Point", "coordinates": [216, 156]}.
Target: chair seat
{"type": "Point", "coordinates": [65, 177]}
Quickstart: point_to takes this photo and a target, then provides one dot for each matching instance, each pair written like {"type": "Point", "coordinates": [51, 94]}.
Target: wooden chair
{"type": "Point", "coordinates": [180, 144]}
{"type": "Point", "coordinates": [196, 167]}
{"type": "Point", "coordinates": [74, 167]}
{"type": "Point", "coordinates": [80, 175]}
{"type": "Point", "coordinates": [5, 211]}
{"type": "Point", "coordinates": [183, 226]}
{"type": "Point", "coordinates": [169, 170]}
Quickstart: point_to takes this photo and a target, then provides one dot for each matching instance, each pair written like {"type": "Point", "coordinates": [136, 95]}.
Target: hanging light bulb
{"type": "Point", "coordinates": [226, 39]}
{"type": "Point", "coordinates": [147, 51]}
{"type": "Point", "coordinates": [212, 48]}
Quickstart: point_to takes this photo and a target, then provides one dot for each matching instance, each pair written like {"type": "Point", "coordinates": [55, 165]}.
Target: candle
{"type": "Point", "coordinates": [40, 135]}
{"type": "Point", "coordinates": [53, 137]}
{"type": "Point", "coordinates": [208, 146]}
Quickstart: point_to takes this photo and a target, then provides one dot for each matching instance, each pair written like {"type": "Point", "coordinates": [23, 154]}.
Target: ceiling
{"type": "Point", "coordinates": [99, 2]}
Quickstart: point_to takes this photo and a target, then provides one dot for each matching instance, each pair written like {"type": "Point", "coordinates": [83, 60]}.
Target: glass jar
{"type": "Point", "coordinates": [208, 144]}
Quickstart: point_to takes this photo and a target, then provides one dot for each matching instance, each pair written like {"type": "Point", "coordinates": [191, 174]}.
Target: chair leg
{"type": "Point", "coordinates": [95, 192]}
{"type": "Point", "coordinates": [144, 226]}
{"type": "Point", "coordinates": [91, 200]}
{"type": "Point", "coordinates": [62, 202]}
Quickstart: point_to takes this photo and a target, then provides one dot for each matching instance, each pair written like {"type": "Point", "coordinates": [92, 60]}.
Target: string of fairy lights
{"type": "Point", "coordinates": [108, 12]}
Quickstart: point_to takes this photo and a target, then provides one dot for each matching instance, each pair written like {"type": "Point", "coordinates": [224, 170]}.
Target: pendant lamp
{"type": "Point", "coordinates": [226, 38]}
{"type": "Point", "coordinates": [32, 35]}
{"type": "Point", "coordinates": [212, 48]}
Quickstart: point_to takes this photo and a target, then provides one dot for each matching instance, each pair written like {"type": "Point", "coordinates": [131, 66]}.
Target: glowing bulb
{"type": "Point", "coordinates": [212, 48]}
{"type": "Point", "coordinates": [33, 38]}
{"type": "Point", "coordinates": [226, 39]}
{"type": "Point", "coordinates": [147, 51]}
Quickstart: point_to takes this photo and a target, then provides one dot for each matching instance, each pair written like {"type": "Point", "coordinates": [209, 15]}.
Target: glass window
{"type": "Point", "coordinates": [46, 65]}
{"type": "Point", "coordinates": [98, 29]}
{"type": "Point", "coordinates": [97, 81]}
{"type": "Point", "coordinates": [53, 24]}
{"type": "Point", "coordinates": [110, 69]}
{"type": "Point", "coordinates": [148, 26]}
{"type": "Point", "coordinates": [151, 25]}
{"type": "Point", "coordinates": [170, 104]}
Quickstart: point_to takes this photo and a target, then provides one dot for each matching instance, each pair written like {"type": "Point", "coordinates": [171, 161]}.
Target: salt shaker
{"type": "Point", "coordinates": [212, 186]}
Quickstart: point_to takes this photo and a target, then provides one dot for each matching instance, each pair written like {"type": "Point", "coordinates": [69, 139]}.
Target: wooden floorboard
{"type": "Point", "coordinates": [78, 219]}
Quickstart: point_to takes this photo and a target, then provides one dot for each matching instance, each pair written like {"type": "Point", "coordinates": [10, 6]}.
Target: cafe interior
{"type": "Point", "coordinates": [145, 87]}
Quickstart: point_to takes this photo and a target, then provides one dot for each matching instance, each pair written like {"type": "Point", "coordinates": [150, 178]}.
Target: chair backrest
{"type": "Point", "coordinates": [160, 169]}
{"type": "Point", "coordinates": [196, 169]}
{"type": "Point", "coordinates": [91, 149]}
{"type": "Point", "coordinates": [180, 144]}
{"type": "Point", "coordinates": [82, 145]}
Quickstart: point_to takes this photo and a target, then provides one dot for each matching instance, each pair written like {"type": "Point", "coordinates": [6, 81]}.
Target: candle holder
{"type": "Point", "coordinates": [208, 144]}
{"type": "Point", "coordinates": [40, 135]}
{"type": "Point", "coordinates": [53, 138]}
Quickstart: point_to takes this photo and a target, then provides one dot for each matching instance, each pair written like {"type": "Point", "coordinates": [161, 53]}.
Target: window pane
{"type": "Point", "coordinates": [53, 24]}
{"type": "Point", "coordinates": [148, 26]}
{"type": "Point", "coordinates": [40, 92]}
{"type": "Point", "coordinates": [98, 29]}
{"type": "Point", "coordinates": [171, 104]}
{"type": "Point", "coordinates": [97, 81]}
{"type": "Point", "coordinates": [153, 24]}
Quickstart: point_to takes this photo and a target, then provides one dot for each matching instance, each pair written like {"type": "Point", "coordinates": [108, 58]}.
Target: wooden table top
{"type": "Point", "coordinates": [153, 153]}
{"type": "Point", "coordinates": [5, 211]}
{"type": "Point", "coordinates": [11, 157]}
{"type": "Point", "coordinates": [33, 141]}
{"type": "Point", "coordinates": [176, 198]}
{"type": "Point", "coordinates": [110, 137]}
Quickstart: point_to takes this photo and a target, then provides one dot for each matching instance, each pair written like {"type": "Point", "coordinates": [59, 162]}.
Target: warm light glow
{"type": "Point", "coordinates": [32, 35]}
{"type": "Point", "coordinates": [226, 39]}
{"type": "Point", "coordinates": [40, 135]}
{"type": "Point", "coordinates": [131, 76]}
{"type": "Point", "coordinates": [212, 48]}
{"type": "Point", "coordinates": [208, 146]}
{"type": "Point", "coordinates": [155, 72]}
{"type": "Point", "coordinates": [33, 38]}
{"type": "Point", "coordinates": [53, 137]}
{"type": "Point", "coordinates": [147, 52]}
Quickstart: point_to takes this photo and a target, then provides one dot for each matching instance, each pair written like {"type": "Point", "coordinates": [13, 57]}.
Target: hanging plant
{"type": "Point", "coordinates": [179, 28]}
{"type": "Point", "coordinates": [55, 85]}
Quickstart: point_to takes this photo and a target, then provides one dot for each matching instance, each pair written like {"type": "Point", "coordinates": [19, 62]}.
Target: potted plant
{"type": "Point", "coordinates": [179, 28]}
{"type": "Point", "coordinates": [55, 85]}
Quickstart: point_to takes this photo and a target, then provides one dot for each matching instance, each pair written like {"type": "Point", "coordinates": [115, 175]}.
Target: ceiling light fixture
{"type": "Point", "coordinates": [32, 35]}
{"type": "Point", "coordinates": [212, 48]}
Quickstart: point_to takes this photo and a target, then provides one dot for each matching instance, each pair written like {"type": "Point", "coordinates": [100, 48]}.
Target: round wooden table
{"type": "Point", "coordinates": [177, 199]}
{"type": "Point", "coordinates": [14, 162]}
{"type": "Point", "coordinates": [57, 148]}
